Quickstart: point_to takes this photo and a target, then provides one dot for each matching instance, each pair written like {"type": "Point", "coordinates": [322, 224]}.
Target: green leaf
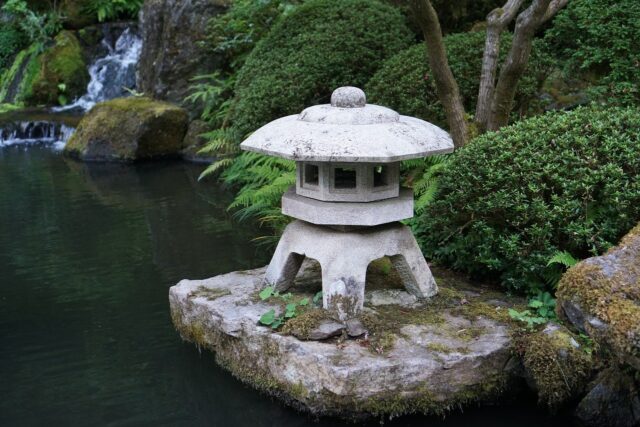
{"type": "Point", "coordinates": [268, 318]}
{"type": "Point", "coordinates": [290, 310]}
{"type": "Point", "coordinates": [276, 324]}
{"type": "Point", "coordinates": [266, 293]}
{"type": "Point", "coordinates": [317, 297]}
{"type": "Point", "coordinates": [303, 301]}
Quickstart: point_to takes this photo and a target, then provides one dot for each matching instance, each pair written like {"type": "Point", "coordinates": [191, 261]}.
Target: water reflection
{"type": "Point", "coordinates": [87, 253]}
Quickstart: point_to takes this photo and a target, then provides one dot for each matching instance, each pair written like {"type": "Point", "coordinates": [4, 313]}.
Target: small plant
{"type": "Point", "coordinates": [106, 10]}
{"type": "Point", "coordinates": [39, 27]}
{"type": "Point", "coordinates": [291, 308]}
{"type": "Point", "coordinates": [542, 308]}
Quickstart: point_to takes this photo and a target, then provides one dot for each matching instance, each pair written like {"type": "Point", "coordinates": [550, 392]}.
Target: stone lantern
{"type": "Point", "coordinates": [347, 201]}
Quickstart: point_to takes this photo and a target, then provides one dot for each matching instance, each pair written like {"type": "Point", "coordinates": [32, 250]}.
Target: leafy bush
{"type": "Point", "coordinates": [512, 200]}
{"type": "Point", "coordinates": [600, 38]}
{"type": "Point", "coordinates": [236, 32]}
{"type": "Point", "coordinates": [320, 45]}
{"type": "Point", "coordinates": [38, 26]}
{"type": "Point", "coordinates": [404, 82]}
{"type": "Point", "coordinates": [106, 10]}
{"type": "Point", "coordinates": [12, 40]}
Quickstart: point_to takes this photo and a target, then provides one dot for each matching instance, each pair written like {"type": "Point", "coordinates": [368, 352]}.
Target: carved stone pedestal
{"type": "Point", "coordinates": [344, 257]}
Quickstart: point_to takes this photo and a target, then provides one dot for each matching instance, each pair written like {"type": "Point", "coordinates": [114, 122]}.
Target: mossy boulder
{"type": "Point", "coordinates": [557, 365]}
{"type": "Point", "coordinates": [600, 296]}
{"type": "Point", "coordinates": [129, 129]}
{"type": "Point", "coordinates": [63, 73]}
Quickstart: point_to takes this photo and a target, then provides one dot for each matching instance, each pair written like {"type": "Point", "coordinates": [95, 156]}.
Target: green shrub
{"type": "Point", "coordinates": [12, 40]}
{"type": "Point", "coordinates": [600, 38]}
{"type": "Point", "coordinates": [511, 200]}
{"type": "Point", "coordinates": [404, 82]}
{"type": "Point", "coordinates": [236, 32]}
{"type": "Point", "coordinates": [320, 45]}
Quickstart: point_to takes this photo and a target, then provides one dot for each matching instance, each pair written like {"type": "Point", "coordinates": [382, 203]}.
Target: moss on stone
{"type": "Point", "coordinates": [16, 83]}
{"type": "Point", "coordinates": [558, 367]}
{"type": "Point", "coordinates": [129, 129]}
{"type": "Point", "coordinates": [304, 323]}
{"type": "Point", "coordinates": [607, 290]}
{"type": "Point", "coordinates": [63, 73]}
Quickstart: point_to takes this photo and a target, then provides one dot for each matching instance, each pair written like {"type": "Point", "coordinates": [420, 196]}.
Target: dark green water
{"type": "Point", "coordinates": [87, 254]}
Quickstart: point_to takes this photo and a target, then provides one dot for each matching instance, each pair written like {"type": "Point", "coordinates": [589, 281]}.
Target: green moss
{"type": "Point", "coordinates": [613, 297]}
{"type": "Point", "coordinates": [16, 83]}
{"type": "Point", "coordinates": [63, 73]}
{"type": "Point", "coordinates": [559, 369]}
{"type": "Point", "coordinates": [304, 323]}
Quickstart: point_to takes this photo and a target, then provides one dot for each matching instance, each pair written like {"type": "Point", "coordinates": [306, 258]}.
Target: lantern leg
{"type": "Point", "coordinates": [413, 268]}
{"type": "Point", "coordinates": [284, 266]}
{"type": "Point", "coordinates": [343, 293]}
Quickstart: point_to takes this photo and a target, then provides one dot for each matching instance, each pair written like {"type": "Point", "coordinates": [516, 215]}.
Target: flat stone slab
{"type": "Point", "coordinates": [415, 357]}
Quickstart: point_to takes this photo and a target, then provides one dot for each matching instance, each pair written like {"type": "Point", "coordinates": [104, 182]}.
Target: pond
{"type": "Point", "coordinates": [87, 255]}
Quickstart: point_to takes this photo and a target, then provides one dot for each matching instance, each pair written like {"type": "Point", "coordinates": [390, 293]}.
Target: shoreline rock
{"type": "Point", "coordinates": [429, 359]}
{"type": "Point", "coordinates": [129, 129]}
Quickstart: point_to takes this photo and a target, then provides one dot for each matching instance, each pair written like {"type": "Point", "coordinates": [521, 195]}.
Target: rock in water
{"type": "Point", "coordinates": [171, 53]}
{"type": "Point", "coordinates": [429, 360]}
{"type": "Point", "coordinates": [129, 129]}
{"type": "Point", "coordinates": [613, 401]}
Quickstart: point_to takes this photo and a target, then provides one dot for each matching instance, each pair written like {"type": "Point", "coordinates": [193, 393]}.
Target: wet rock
{"type": "Point", "coordinates": [172, 54]}
{"type": "Point", "coordinates": [326, 329]}
{"type": "Point", "coordinates": [355, 328]}
{"type": "Point", "coordinates": [425, 361]}
{"type": "Point", "coordinates": [612, 402]}
{"type": "Point", "coordinates": [601, 297]}
{"type": "Point", "coordinates": [129, 129]}
{"type": "Point", "coordinates": [194, 142]}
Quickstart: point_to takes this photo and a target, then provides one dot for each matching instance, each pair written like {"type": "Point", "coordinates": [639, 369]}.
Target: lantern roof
{"type": "Point", "coordinates": [349, 130]}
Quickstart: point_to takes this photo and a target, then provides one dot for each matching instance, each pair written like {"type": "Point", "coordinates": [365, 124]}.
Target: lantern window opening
{"type": "Point", "coordinates": [311, 175]}
{"type": "Point", "coordinates": [380, 176]}
{"type": "Point", "coordinates": [345, 178]}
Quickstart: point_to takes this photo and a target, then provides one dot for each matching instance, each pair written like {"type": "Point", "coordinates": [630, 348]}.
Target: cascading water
{"type": "Point", "coordinates": [32, 132]}
{"type": "Point", "coordinates": [112, 74]}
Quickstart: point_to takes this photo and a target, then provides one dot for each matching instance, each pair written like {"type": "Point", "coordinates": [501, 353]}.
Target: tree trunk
{"type": "Point", "coordinates": [446, 86]}
{"type": "Point", "coordinates": [497, 21]}
{"type": "Point", "coordinates": [516, 62]}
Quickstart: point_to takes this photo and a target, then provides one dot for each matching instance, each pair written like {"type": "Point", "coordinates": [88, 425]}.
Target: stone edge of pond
{"type": "Point", "coordinates": [426, 371]}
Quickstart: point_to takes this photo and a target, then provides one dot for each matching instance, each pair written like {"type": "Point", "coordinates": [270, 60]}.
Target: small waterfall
{"type": "Point", "coordinates": [111, 74]}
{"type": "Point", "coordinates": [35, 132]}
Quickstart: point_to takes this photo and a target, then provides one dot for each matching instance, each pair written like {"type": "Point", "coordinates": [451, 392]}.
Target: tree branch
{"type": "Point", "coordinates": [554, 8]}
{"type": "Point", "coordinates": [497, 21]}
{"type": "Point", "coordinates": [514, 65]}
{"type": "Point", "coordinates": [446, 86]}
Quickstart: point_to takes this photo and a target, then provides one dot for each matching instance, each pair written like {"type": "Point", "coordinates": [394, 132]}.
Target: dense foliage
{"type": "Point", "coordinates": [38, 26]}
{"type": "Point", "coordinates": [106, 10]}
{"type": "Point", "coordinates": [12, 40]}
{"type": "Point", "coordinates": [236, 32]}
{"type": "Point", "coordinates": [460, 15]}
{"type": "Point", "coordinates": [600, 39]}
{"type": "Point", "coordinates": [511, 200]}
{"type": "Point", "coordinates": [404, 82]}
{"type": "Point", "coordinates": [320, 45]}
